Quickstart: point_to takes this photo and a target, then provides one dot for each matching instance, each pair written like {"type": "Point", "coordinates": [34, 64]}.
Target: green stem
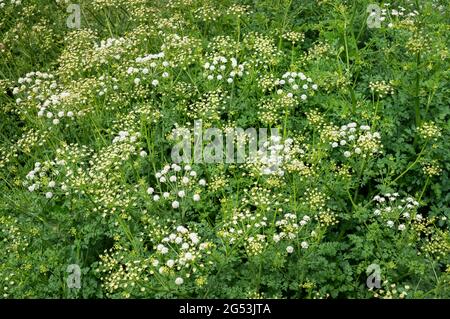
{"type": "Point", "coordinates": [424, 188]}
{"type": "Point", "coordinates": [363, 166]}
{"type": "Point", "coordinates": [346, 46]}
{"type": "Point", "coordinates": [417, 91]}
{"type": "Point", "coordinates": [410, 166]}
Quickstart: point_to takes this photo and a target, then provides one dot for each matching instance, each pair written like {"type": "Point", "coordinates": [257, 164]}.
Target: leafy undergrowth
{"type": "Point", "coordinates": [353, 189]}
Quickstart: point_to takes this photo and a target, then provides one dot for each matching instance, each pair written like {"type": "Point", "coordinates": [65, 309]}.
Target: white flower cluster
{"type": "Point", "coordinates": [242, 225]}
{"type": "Point", "coordinates": [108, 43]}
{"type": "Point", "coordinates": [49, 110]}
{"type": "Point", "coordinates": [181, 254]}
{"type": "Point", "coordinates": [110, 50]}
{"type": "Point", "coordinates": [221, 68]}
{"type": "Point", "coordinates": [44, 177]}
{"type": "Point", "coordinates": [393, 16]}
{"type": "Point", "coordinates": [177, 184]}
{"type": "Point", "coordinates": [289, 227]}
{"type": "Point", "coordinates": [125, 136]}
{"type": "Point", "coordinates": [149, 68]}
{"type": "Point", "coordinates": [354, 140]}
{"type": "Point", "coordinates": [35, 87]}
{"type": "Point", "coordinates": [13, 2]}
{"type": "Point", "coordinates": [295, 84]}
{"type": "Point", "coordinates": [395, 211]}
{"type": "Point", "coordinates": [274, 157]}
{"type": "Point", "coordinates": [106, 81]}
{"type": "Point", "coordinates": [245, 229]}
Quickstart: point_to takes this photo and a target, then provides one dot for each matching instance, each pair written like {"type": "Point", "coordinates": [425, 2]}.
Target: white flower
{"type": "Point", "coordinates": [170, 263]}
{"type": "Point", "coordinates": [304, 245]}
{"type": "Point", "coordinates": [194, 238]}
{"type": "Point", "coordinates": [179, 281]}
{"type": "Point", "coordinates": [166, 195]}
{"type": "Point", "coordinates": [143, 153]}
{"type": "Point", "coordinates": [390, 223]}
{"type": "Point", "coordinates": [49, 194]}
{"type": "Point", "coordinates": [181, 193]}
{"type": "Point", "coordinates": [290, 249]}
{"type": "Point", "coordinates": [55, 121]}
{"type": "Point", "coordinates": [137, 81]}
{"type": "Point", "coordinates": [202, 182]}
{"type": "Point", "coordinates": [32, 187]}
{"type": "Point", "coordinates": [303, 97]}
{"type": "Point", "coordinates": [175, 204]}
{"type": "Point", "coordinates": [196, 197]}
{"type": "Point", "coordinates": [51, 184]}
{"type": "Point", "coordinates": [182, 229]}
{"type": "Point", "coordinates": [150, 190]}
{"type": "Point", "coordinates": [401, 227]}
{"type": "Point", "coordinates": [347, 154]}
{"type": "Point", "coordinates": [173, 178]}
{"type": "Point", "coordinates": [357, 150]}
{"type": "Point", "coordinates": [156, 198]}
{"type": "Point", "coordinates": [70, 114]}
{"type": "Point", "coordinates": [155, 82]}
{"type": "Point", "coordinates": [335, 144]}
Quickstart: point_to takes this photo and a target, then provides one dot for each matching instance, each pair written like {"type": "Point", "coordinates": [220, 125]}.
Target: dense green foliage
{"type": "Point", "coordinates": [89, 116]}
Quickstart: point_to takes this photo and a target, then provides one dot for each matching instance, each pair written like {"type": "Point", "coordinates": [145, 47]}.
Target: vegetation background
{"type": "Point", "coordinates": [89, 115]}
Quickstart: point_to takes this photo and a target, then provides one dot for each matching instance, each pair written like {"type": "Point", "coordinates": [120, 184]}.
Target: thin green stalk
{"type": "Point", "coordinates": [424, 188]}
{"type": "Point", "coordinates": [410, 166]}
{"type": "Point", "coordinates": [417, 91]}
